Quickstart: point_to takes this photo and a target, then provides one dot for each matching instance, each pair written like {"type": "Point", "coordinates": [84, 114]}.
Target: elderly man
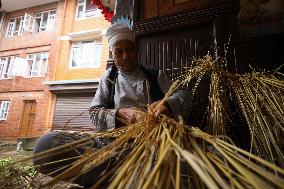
{"type": "Point", "coordinates": [124, 92]}
{"type": "Point", "coordinates": [128, 87]}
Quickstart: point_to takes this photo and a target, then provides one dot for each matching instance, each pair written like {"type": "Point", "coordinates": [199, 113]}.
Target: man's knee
{"type": "Point", "coordinates": [51, 161]}
{"type": "Point", "coordinates": [45, 142]}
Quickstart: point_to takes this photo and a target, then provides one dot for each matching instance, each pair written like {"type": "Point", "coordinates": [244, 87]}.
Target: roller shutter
{"type": "Point", "coordinates": [72, 109]}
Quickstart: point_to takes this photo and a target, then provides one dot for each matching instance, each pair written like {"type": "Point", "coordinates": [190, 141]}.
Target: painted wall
{"type": "Point", "coordinates": [72, 25]}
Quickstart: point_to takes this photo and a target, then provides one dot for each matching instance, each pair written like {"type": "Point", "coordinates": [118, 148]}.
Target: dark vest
{"type": "Point", "coordinates": [151, 74]}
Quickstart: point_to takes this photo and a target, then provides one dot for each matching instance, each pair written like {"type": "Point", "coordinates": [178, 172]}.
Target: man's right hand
{"type": "Point", "coordinates": [129, 115]}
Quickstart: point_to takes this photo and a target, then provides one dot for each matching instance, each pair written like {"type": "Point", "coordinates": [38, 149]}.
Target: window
{"type": "Point", "coordinates": [38, 64]}
{"type": "Point", "coordinates": [86, 9]}
{"type": "Point", "coordinates": [15, 26]}
{"type": "Point", "coordinates": [3, 67]}
{"type": "Point", "coordinates": [86, 55]}
{"type": "Point", "coordinates": [44, 21]}
{"type": "Point", "coordinates": [34, 66]}
{"type": "Point", "coordinates": [2, 14]}
{"type": "Point", "coordinates": [6, 67]}
{"type": "Point", "coordinates": [4, 108]}
{"type": "Point", "coordinates": [28, 23]}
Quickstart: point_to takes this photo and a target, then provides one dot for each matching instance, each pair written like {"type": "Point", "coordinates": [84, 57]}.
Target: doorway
{"type": "Point", "coordinates": [28, 117]}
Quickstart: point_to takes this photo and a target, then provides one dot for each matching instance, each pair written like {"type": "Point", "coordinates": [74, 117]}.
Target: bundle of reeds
{"type": "Point", "coordinates": [159, 152]}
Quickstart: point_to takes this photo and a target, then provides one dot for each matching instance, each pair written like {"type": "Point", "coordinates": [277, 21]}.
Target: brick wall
{"type": "Point", "coordinates": [19, 89]}
{"type": "Point", "coordinates": [9, 129]}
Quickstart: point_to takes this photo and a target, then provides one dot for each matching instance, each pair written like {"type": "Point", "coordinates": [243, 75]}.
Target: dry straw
{"type": "Point", "coordinates": [159, 152]}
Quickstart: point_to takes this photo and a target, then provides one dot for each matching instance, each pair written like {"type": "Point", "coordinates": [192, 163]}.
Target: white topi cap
{"type": "Point", "coordinates": [118, 32]}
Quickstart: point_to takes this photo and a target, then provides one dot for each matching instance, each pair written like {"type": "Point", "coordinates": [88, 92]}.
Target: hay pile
{"type": "Point", "coordinates": [159, 152]}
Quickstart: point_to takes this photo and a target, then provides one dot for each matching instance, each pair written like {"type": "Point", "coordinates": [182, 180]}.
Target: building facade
{"type": "Point", "coordinates": [52, 56]}
{"type": "Point", "coordinates": [27, 52]}
{"type": "Point", "coordinates": [82, 57]}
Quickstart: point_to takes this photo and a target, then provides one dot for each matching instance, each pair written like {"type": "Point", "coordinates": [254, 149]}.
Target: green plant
{"type": "Point", "coordinates": [15, 174]}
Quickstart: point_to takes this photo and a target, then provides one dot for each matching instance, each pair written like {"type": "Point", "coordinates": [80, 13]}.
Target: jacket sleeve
{"type": "Point", "coordinates": [100, 115]}
{"type": "Point", "coordinates": [180, 100]}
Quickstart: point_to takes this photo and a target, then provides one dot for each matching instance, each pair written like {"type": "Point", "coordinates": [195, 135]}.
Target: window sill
{"type": "Point", "coordinates": [30, 77]}
{"type": "Point", "coordinates": [9, 37]}
{"type": "Point", "coordinates": [80, 68]}
{"type": "Point", "coordinates": [37, 76]}
{"type": "Point", "coordinates": [85, 18]}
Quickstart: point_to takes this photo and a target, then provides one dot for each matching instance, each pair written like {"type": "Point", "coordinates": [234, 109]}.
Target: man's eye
{"type": "Point", "coordinates": [117, 52]}
{"type": "Point", "coordinates": [129, 49]}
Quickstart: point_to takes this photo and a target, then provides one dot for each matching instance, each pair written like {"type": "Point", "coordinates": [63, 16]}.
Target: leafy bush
{"type": "Point", "coordinates": [14, 174]}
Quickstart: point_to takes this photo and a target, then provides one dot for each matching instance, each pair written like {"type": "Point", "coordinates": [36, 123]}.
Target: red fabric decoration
{"type": "Point", "coordinates": [107, 14]}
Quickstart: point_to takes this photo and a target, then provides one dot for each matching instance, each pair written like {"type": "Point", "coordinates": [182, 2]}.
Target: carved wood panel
{"type": "Point", "coordinates": [173, 51]}
{"type": "Point", "coordinates": [155, 8]}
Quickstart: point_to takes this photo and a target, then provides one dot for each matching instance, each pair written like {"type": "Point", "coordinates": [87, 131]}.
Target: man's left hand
{"type": "Point", "coordinates": [163, 109]}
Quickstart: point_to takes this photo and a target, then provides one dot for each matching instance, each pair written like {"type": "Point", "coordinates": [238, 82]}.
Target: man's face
{"type": "Point", "coordinates": [124, 55]}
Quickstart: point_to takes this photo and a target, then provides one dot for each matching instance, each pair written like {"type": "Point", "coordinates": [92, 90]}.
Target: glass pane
{"type": "Point", "coordinates": [51, 22]}
{"type": "Point", "coordinates": [80, 13]}
{"type": "Point", "coordinates": [52, 12]}
{"type": "Point", "coordinates": [38, 15]}
{"type": "Point", "coordinates": [38, 57]}
{"type": "Point", "coordinates": [6, 106]}
{"type": "Point", "coordinates": [21, 26]}
{"type": "Point", "coordinates": [87, 57]}
{"type": "Point", "coordinates": [17, 26]}
{"type": "Point", "coordinates": [30, 63]}
{"type": "Point", "coordinates": [1, 70]}
{"type": "Point", "coordinates": [36, 65]}
{"type": "Point", "coordinates": [30, 56]}
{"type": "Point", "coordinates": [97, 53]}
{"type": "Point", "coordinates": [2, 114]}
{"type": "Point", "coordinates": [43, 66]}
{"type": "Point", "coordinates": [10, 29]}
{"type": "Point", "coordinates": [44, 55]}
{"type": "Point", "coordinates": [75, 57]}
{"type": "Point", "coordinates": [90, 6]}
{"type": "Point", "coordinates": [37, 23]}
{"type": "Point", "coordinates": [44, 19]}
{"type": "Point", "coordinates": [1, 15]}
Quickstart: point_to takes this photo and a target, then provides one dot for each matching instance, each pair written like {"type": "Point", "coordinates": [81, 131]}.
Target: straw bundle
{"type": "Point", "coordinates": [260, 97]}
{"type": "Point", "coordinates": [159, 152]}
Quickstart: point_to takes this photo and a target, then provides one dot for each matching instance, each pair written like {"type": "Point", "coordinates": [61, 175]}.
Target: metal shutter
{"type": "Point", "coordinates": [67, 107]}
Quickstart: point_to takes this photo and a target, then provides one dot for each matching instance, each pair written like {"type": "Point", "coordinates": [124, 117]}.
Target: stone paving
{"type": "Point", "coordinates": [8, 149]}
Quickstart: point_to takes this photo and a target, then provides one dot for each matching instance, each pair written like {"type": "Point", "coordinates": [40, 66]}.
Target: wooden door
{"type": "Point", "coordinates": [28, 117]}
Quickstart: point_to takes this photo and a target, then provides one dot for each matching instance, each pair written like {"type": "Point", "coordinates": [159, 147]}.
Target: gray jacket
{"type": "Point", "coordinates": [132, 90]}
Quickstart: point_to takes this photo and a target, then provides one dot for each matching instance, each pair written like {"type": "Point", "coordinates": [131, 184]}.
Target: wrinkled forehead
{"type": "Point", "coordinates": [123, 44]}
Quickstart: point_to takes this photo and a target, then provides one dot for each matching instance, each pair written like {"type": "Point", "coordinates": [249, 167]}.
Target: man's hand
{"type": "Point", "coordinates": [162, 109]}
{"type": "Point", "coordinates": [130, 115]}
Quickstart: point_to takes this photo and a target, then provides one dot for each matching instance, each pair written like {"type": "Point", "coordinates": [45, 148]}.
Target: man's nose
{"type": "Point", "coordinates": [125, 55]}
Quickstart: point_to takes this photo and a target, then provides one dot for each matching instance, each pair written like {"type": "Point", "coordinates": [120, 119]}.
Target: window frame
{"type": "Point", "coordinates": [42, 67]}
{"type": "Point", "coordinates": [4, 112]}
{"type": "Point", "coordinates": [3, 67]}
{"type": "Point", "coordinates": [13, 23]}
{"type": "Point", "coordinates": [2, 19]}
{"type": "Point", "coordinates": [48, 27]}
{"type": "Point", "coordinates": [79, 45]}
{"type": "Point", "coordinates": [83, 3]}
{"type": "Point", "coordinates": [4, 75]}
